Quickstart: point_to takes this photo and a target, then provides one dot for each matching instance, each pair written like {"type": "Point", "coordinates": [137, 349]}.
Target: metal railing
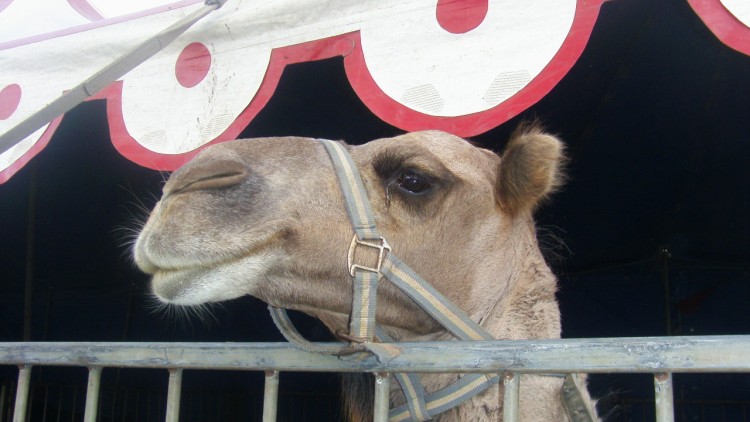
{"type": "Point", "coordinates": [660, 356]}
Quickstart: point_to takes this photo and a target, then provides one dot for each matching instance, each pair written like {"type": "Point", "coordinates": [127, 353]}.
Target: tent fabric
{"type": "Point", "coordinates": [464, 66]}
{"type": "Point", "coordinates": [415, 64]}
{"type": "Point", "coordinates": [729, 20]}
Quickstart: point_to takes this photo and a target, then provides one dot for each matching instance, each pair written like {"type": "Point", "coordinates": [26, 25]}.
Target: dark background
{"type": "Point", "coordinates": [648, 238]}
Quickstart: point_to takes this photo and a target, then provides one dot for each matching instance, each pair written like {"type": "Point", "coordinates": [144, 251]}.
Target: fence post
{"type": "Point", "coordinates": [664, 397]}
{"type": "Point", "coordinates": [382, 394]}
{"type": "Point", "coordinates": [3, 393]}
{"type": "Point", "coordinates": [271, 396]}
{"type": "Point", "coordinates": [512, 383]}
{"type": "Point", "coordinates": [22, 393]}
{"type": "Point", "coordinates": [92, 394]}
{"type": "Point", "coordinates": [173, 395]}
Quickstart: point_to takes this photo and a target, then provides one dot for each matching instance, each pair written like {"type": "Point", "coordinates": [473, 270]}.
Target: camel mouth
{"type": "Point", "coordinates": [200, 283]}
{"type": "Point", "coordinates": [158, 265]}
{"type": "Point", "coordinates": [193, 277]}
{"type": "Point", "coordinates": [178, 286]}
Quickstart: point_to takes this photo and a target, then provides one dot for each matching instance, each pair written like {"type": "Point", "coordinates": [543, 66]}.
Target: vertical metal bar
{"type": "Point", "coordinates": [92, 394]}
{"type": "Point", "coordinates": [382, 394]}
{"type": "Point", "coordinates": [2, 401]}
{"type": "Point", "coordinates": [22, 393]}
{"type": "Point", "coordinates": [113, 406]}
{"type": "Point", "coordinates": [137, 404]}
{"type": "Point", "coordinates": [271, 396]}
{"type": "Point", "coordinates": [200, 405]}
{"type": "Point", "coordinates": [173, 395]}
{"type": "Point", "coordinates": [73, 405]}
{"type": "Point", "coordinates": [148, 405]}
{"type": "Point", "coordinates": [46, 402]}
{"type": "Point", "coordinates": [664, 401]}
{"type": "Point", "coordinates": [124, 410]}
{"type": "Point", "coordinates": [512, 385]}
{"type": "Point", "coordinates": [47, 312]}
{"type": "Point", "coordinates": [60, 403]}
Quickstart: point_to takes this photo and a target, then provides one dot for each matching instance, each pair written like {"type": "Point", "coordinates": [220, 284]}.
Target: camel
{"type": "Point", "coordinates": [265, 217]}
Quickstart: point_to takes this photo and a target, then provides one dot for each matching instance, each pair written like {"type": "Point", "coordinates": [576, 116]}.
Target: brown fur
{"type": "Point", "coordinates": [265, 217]}
{"type": "Point", "coordinates": [531, 169]}
{"type": "Point", "coordinates": [358, 393]}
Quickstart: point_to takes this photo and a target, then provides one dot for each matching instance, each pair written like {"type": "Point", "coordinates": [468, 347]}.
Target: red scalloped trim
{"type": "Point", "coordinates": [474, 124]}
{"type": "Point", "coordinates": [392, 112]}
{"type": "Point", "coordinates": [727, 28]}
{"type": "Point", "coordinates": [17, 165]}
{"type": "Point", "coordinates": [122, 140]}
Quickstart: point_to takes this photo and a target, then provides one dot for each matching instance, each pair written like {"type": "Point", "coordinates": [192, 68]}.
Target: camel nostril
{"type": "Point", "coordinates": [206, 175]}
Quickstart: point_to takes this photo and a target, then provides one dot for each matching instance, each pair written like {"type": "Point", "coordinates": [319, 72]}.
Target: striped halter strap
{"type": "Point", "coordinates": [364, 334]}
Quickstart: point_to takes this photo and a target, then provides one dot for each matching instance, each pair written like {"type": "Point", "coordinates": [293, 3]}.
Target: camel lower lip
{"type": "Point", "coordinates": [175, 285]}
{"type": "Point", "coordinates": [198, 284]}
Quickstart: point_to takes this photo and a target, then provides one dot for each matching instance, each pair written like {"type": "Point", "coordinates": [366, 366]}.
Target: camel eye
{"type": "Point", "coordinates": [413, 182]}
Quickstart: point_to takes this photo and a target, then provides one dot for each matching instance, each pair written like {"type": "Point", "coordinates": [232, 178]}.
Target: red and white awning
{"type": "Point", "coordinates": [463, 66]}
{"type": "Point", "coordinates": [729, 20]}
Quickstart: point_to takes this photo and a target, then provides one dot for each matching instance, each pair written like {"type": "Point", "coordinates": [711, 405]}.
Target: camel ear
{"type": "Point", "coordinates": [530, 169]}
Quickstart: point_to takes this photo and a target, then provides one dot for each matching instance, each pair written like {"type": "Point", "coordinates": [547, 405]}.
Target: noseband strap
{"type": "Point", "coordinates": [364, 334]}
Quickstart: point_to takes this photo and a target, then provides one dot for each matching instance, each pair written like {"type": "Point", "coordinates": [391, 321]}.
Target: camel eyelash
{"type": "Point", "coordinates": [414, 187]}
{"type": "Point", "coordinates": [390, 166]}
{"type": "Point", "coordinates": [387, 165]}
{"type": "Point", "coordinates": [396, 169]}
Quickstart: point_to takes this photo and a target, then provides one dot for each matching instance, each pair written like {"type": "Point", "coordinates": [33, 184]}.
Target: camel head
{"type": "Point", "coordinates": [266, 217]}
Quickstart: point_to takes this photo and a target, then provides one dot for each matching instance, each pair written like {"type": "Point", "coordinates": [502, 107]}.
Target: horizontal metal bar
{"type": "Point", "coordinates": [602, 355]}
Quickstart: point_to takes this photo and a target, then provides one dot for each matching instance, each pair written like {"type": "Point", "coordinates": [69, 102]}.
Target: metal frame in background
{"type": "Point", "coordinates": [660, 356]}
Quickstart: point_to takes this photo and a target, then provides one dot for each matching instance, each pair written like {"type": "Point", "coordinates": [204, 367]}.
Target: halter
{"type": "Point", "coordinates": [366, 336]}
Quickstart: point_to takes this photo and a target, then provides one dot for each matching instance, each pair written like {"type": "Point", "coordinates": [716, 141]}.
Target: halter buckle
{"type": "Point", "coordinates": [382, 247]}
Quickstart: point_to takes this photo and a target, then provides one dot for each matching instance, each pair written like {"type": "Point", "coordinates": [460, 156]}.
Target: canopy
{"type": "Point", "coordinates": [464, 66]}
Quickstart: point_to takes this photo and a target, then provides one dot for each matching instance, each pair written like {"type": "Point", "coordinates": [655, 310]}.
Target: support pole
{"type": "Point", "coordinates": [665, 255]}
{"type": "Point", "coordinates": [3, 393]}
{"type": "Point", "coordinates": [382, 393]}
{"type": "Point", "coordinates": [22, 393]}
{"type": "Point", "coordinates": [512, 385]}
{"type": "Point", "coordinates": [271, 396]}
{"type": "Point", "coordinates": [92, 394]}
{"type": "Point", "coordinates": [664, 397]}
{"type": "Point", "coordinates": [28, 290]}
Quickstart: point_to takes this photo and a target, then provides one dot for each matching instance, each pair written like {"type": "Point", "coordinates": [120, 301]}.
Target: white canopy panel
{"type": "Point", "coordinates": [463, 66]}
